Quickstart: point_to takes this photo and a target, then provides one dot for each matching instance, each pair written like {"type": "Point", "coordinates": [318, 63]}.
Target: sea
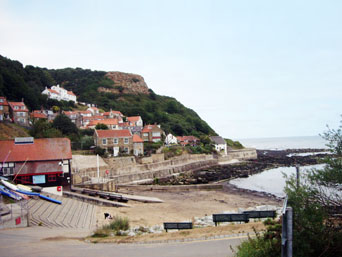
{"type": "Point", "coordinates": [272, 181]}
{"type": "Point", "coordinates": [283, 143]}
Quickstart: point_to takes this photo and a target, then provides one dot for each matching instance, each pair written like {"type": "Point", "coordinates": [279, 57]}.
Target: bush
{"type": "Point", "coordinates": [117, 225]}
{"type": "Point", "coordinates": [100, 151]}
{"type": "Point", "coordinates": [233, 144]}
{"type": "Point", "coordinates": [265, 244]}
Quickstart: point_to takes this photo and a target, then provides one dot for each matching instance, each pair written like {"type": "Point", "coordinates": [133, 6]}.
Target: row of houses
{"type": "Point", "coordinates": [114, 120]}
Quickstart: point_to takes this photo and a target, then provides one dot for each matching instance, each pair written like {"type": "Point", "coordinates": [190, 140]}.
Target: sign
{"type": "Point", "coordinates": [23, 140]}
{"type": "Point", "coordinates": [17, 221]}
{"type": "Point", "coordinates": [39, 179]}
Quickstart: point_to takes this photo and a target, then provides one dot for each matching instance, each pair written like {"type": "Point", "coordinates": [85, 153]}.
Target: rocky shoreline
{"type": "Point", "coordinates": [267, 159]}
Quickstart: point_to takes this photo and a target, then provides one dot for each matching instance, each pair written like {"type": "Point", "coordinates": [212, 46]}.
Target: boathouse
{"type": "Point", "coordinates": [45, 162]}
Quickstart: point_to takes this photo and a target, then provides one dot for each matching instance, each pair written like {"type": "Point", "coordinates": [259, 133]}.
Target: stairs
{"type": "Point", "coordinates": [70, 214]}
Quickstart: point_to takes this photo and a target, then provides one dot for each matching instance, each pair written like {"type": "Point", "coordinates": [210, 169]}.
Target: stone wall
{"type": "Point", "coordinates": [153, 158]}
{"type": "Point", "coordinates": [170, 188]}
{"type": "Point", "coordinates": [243, 154]}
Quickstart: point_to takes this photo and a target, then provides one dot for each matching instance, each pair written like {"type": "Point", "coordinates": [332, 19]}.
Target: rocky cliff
{"type": "Point", "coordinates": [126, 83]}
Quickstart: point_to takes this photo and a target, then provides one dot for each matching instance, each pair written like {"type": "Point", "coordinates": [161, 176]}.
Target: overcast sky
{"type": "Point", "coordinates": [248, 68]}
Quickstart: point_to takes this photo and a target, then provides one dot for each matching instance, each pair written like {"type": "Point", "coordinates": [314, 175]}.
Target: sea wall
{"type": "Point", "coordinates": [124, 170]}
{"type": "Point", "coordinates": [170, 188]}
{"type": "Point", "coordinates": [243, 154]}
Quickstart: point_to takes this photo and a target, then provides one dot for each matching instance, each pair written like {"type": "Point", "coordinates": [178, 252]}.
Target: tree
{"type": "Point", "coordinates": [44, 129]}
{"type": "Point", "coordinates": [65, 125]}
{"type": "Point", "coordinates": [101, 126]}
{"type": "Point", "coordinates": [317, 229]}
{"type": "Point", "coordinates": [55, 108]}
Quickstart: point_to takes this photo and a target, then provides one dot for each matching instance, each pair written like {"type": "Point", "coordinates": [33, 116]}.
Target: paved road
{"type": "Point", "coordinates": [26, 242]}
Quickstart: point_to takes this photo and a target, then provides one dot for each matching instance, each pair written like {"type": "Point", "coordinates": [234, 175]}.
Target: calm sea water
{"type": "Point", "coordinates": [282, 143]}
{"type": "Point", "coordinates": [273, 180]}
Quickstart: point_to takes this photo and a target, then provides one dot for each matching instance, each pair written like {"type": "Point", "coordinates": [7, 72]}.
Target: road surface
{"type": "Point", "coordinates": [33, 242]}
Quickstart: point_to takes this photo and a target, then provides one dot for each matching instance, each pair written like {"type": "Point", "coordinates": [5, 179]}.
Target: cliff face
{"type": "Point", "coordinates": [126, 83]}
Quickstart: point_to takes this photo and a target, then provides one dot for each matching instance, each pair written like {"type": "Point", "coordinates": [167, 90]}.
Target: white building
{"type": "Point", "coordinates": [58, 93]}
{"type": "Point", "coordinates": [220, 144]}
{"type": "Point", "coordinates": [170, 139]}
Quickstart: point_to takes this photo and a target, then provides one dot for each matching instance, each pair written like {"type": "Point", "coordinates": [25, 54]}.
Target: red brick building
{"type": "Point", "coordinates": [19, 113]}
{"type": "Point", "coordinates": [152, 133]}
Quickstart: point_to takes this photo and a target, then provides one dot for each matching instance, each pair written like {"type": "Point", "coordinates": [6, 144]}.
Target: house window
{"type": "Point", "coordinates": [126, 150]}
{"type": "Point", "coordinates": [23, 107]}
{"type": "Point", "coordinates": [25, 179]}
{"type": "Point", "coordinates": [16, 107]}
{"type": "Point", "coordinates": [104, 141]}
{"type": "Point", "coordinates": [1, 107]}
{"type": "Point", "coordinates": [1, 100]}
{"type": "Point", "coordinates": [156, 134]}
{"type": "Point", "coordinates": [8, 171]}
{"type": "Point", "coordinates": [116, 141]}
{"type": "Point", "coordinates": [52, 178]}
{"type": "Point", "coordinates": [145, 134]}
{"type": "Point", "coordinates": [126, 141]}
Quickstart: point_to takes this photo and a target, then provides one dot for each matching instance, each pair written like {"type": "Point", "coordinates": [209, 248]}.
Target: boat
{"type": "Point", "coordinates": [9, 185]}
{"type": "Point", "coordinates": [23, 187]}
{"type": "Point", "coordinates": [40, 195]}
{"type": "Point", "coordinates": [9, 193]}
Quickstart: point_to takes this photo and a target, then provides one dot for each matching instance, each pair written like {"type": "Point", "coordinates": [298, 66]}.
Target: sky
{"type": "Point", "coordinates": [249, 68]}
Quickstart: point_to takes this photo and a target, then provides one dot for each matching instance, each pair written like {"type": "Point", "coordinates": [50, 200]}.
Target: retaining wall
{"type": "Point", "coordinates": [170, 188]}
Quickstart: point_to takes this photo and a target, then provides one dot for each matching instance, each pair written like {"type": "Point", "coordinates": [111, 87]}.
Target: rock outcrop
{"type": "Point", "coordinates": [126, 83]}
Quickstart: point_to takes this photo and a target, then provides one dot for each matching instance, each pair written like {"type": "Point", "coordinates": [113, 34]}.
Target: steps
{"type": "Point", "coordinates": [70, 214]}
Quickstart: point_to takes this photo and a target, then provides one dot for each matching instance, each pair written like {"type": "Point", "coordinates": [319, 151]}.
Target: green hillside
{"type": "Point", "coordinates": [17, 82]}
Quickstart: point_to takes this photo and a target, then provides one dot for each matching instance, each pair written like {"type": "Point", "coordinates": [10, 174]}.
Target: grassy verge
{"type": "Point", "coordinates": [196, 233]}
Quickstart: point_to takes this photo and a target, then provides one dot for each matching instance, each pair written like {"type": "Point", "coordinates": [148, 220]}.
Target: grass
{"type": "Point", "coordinates": [116, 227]}
{"type": "Point", "coordinates": [182, 234]}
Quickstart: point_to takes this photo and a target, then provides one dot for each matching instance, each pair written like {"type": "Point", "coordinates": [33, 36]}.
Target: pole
{"type": "Point", "coordinates": [98, 169]}
{"type": "Point", "coordinates": [289, 231]}
{"type": "Point", "coordinates": [297, 176]}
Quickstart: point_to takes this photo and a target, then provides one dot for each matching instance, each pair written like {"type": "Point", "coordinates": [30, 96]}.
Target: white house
{"type": "Point", "coordinates": [170, 139]}
{"type": "Point", "coordinates": [135, 121]}
{"type": "Point", "coordinates": [220, 144]}
{"type": "Point", "coordinates": [59, 93]}
{"type": "Point", "coordinates": [94, 110]}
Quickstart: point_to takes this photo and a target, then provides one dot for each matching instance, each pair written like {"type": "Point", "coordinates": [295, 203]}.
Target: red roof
{"type": "Point", "coordinates": [148, 128]}
{"type": "Point", "coordinates": [133, 118]}
{"type": "Point", "coordinates": [137, 139]}
{"type": "Point", "coordinates": [68, 113]}
{"type": "Point", "coordinates": [18, 104]}
{"type": "Point", "coordinates": [38, 115]}
{"type": "Point", "coordinates": [4, 102]}
{"type": "Point", "coordinates": [71, 93]}
{"type": "Point", "coordinates": [115, 112]}
{"type": "Point", "coordinates": [53, 91]}
{"type": "Point", "coordinates": [124, 124]}
{"type": "Point", "coordinates": [113, 133]}
{"type": "Point", "coordinates": [105, 121]}
{"type": "Point", "coordinates": [42, 149]}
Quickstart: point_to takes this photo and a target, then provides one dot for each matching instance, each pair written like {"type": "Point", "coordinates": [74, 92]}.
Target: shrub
{"type": "Point", "coordinates": [265, 244]}
{"type": "Point", "coordinates": [118, 223]}
{"type": "Point", "coordinates": [116, 227]}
